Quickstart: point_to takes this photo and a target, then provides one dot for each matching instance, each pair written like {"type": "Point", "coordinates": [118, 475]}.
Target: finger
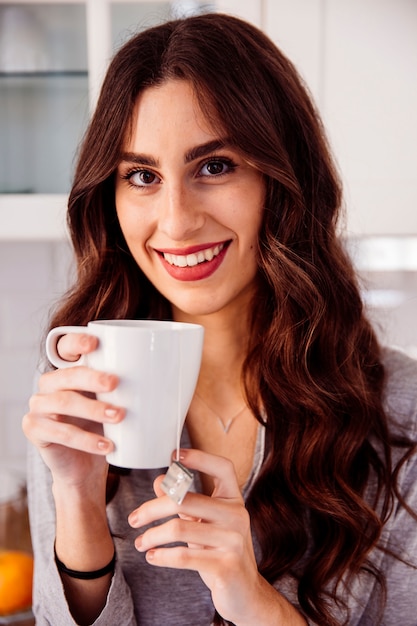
{"type": "Point", "coordinates": [160, 492]}
{"type": "Point", "coordinates": [219, 468]}
{"type": "Point", "coordinates": [178, 530]}
{"type": "Point", "coordinates": [70, 347]}
{"type": "Point", "coordinates": [78, 377]}
{"type": "Point", "coordinates": [194, 506]}
{"type": "Point", "coordinates": [44, 432]}
{"type": "Point", "coordinates": [66, 402]}
{"type": "Point", "coordinates": [198, 559]}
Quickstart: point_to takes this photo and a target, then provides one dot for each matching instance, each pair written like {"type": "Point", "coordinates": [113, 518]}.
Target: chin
{"type": "Point", "coordinates": [195, 308]}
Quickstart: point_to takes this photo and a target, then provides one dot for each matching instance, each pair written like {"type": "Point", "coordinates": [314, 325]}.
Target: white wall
{"type": "Point", "coordinates": [32, 277]}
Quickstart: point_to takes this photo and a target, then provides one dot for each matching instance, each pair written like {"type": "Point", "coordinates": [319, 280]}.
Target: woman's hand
{"type": "Point", "coordinates": [65, 423]}
{"type": "Point", "coordinates": [217, 533]}
{"type": "Point", "coordinates": [65, 420]}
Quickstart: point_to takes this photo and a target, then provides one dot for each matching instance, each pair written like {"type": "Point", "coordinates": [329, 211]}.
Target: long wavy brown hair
{"type": "Point", "coordinates": [314, 363]}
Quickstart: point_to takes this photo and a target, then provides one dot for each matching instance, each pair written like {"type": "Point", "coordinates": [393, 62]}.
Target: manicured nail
{"type": "Point", "coordinates": [86, 340]}
{"type": "Point", "coordinates": [182, 454]}
{"type": "Point", "coordinates": [107, 380]}
{"type": "Point", "coordinates": [138, 543]}
{"type": "Point", "coordinates": [112, 414]}
{"type": "Point", "coordinates": [133, 520]}
{"type": "Point", "coordinates": [103, 445]}
{"type": "Point", "coordinates": [178, 455]}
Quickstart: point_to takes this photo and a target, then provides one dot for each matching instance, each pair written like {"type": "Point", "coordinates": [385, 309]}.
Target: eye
{"type": "Point", "coordinates": [217, 167]}
{"type": "Point", "coordinates": [142, 178]}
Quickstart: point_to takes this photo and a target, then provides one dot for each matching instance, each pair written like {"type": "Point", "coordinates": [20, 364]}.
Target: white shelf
{"type": "Point", "coordinates": [31, 217]}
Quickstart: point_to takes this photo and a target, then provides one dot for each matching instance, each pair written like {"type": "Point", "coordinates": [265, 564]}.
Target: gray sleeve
{"type": "Point", "coordinates": [400, 532]}
{"type": "Point", "coordinates": [400, 571]}
{"type": "Point", "coordinates": [399, 535]}
{"type": "Point", "coordinates": [49, 602]}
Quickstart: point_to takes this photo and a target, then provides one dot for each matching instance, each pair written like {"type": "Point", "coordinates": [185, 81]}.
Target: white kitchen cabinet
{"type": "Point", "coordinates": [370, 105]}
{"type": "Point", "coordinates": [359, 58]}
{"type": "Point", "coordinates": [43, 95]}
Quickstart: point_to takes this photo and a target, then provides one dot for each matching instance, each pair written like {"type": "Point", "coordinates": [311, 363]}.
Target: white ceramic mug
{"type": "Point", "coordinates": [157, 363]}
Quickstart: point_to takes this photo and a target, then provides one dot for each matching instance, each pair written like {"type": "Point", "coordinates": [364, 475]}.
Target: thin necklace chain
{"type": "Point", "coordinates": [225, 426]}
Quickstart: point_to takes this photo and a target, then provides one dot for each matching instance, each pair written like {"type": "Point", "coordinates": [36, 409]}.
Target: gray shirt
{"type": "Point", "coordinates": [144, 595]}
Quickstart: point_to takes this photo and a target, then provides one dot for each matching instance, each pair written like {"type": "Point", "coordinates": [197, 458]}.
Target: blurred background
{"type": "Point", "coordinates": [359, 60]}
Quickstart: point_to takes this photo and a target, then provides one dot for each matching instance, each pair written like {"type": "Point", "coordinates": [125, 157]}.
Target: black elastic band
{"type": "Point", "coordinates": [73, 573]}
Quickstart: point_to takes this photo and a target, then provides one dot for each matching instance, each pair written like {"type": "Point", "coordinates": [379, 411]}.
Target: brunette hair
{"type": "Point", "coordinates": [313, 370]}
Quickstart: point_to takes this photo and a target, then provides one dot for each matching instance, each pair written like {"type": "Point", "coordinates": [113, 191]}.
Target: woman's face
{"type": "Point", "coordinates": [189, 205]}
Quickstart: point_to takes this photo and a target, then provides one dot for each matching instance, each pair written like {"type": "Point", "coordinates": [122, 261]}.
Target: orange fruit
{"type": "Point", "coordinates": [16, 575]}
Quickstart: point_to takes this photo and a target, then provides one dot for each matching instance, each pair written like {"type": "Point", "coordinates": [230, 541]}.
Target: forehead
{"type": "Point", "coordinates": [172, 107]}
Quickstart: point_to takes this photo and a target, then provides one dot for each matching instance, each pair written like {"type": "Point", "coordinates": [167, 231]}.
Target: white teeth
{"type": "Point", "coordinates": [190, 260]}
{"type": "Point", "coordinates": [181, 261]}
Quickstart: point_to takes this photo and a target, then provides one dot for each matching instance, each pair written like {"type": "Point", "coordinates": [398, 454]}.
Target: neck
{"type": "Point", "coordinates": [224, 351]}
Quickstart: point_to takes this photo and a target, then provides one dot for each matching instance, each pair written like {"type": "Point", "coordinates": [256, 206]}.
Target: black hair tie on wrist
{"type": "Point", "coordinates": [73, 573]}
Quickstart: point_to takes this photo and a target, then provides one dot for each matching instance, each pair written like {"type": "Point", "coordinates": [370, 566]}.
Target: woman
{"type": "Point", "coordinates": [205, 192]}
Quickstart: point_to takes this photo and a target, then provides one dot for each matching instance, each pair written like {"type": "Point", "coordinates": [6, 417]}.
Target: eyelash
{"type": "Point", "coordinates": [229, 163]}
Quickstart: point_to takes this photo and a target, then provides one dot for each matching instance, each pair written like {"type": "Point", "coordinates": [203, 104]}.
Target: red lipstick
{"type": "Point", "coordinates": [199, 271]}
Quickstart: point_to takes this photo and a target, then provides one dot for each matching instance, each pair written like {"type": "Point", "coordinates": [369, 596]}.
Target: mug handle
{"type": "Point", "coordinates": [52, 343]}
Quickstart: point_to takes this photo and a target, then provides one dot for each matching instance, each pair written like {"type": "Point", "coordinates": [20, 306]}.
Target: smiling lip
{"type": "Point", "coordinates": [194, 262]}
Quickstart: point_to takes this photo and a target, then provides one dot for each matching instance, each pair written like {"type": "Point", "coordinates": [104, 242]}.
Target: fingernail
{"type": "Point", "coordinates": [86, 340]}
{"type": "Point", "coordinates": [138, 543]}
{"type": "Point", "coordinates": [150, 555]}
{"type": "Point", "coordinates": [107, 380]}
{"type": "Point", "coordinates": [178, 455]}
{"type": "Point", "coordinates": [112, 414]}
{"type": "Point", "coordinates": [103, 445]}
{"type": "Point", "coordinates": [133, 520]}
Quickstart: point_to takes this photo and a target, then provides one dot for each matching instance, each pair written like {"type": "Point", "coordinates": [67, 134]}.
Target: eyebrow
{"type": "Point", "coordinates": [194, 153]}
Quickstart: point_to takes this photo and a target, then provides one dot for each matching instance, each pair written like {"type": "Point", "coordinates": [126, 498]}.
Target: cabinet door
{"type": "Point", "coordinates": [370, 104]}
{"type": "Point", "coordinates": [43, 94]}
{"type": "Point", "coordinates": [360, 61]}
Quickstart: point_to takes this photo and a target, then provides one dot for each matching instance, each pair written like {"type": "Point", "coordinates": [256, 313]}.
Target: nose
{"type": "Point", "coordinates": [180, 214]}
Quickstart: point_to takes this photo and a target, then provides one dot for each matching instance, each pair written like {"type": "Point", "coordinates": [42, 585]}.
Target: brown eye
{"type": "Point", "coordinates": [147, 177]}
{"type": "Point", "coordinates": [217, 167]}
{"type": "Point", "coordinates": [143, 178]}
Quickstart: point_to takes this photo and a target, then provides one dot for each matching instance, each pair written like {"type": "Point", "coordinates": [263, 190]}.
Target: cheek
{"type": "Point", "coordinates": [254, 199]}
{"type": "Point", "coordinates": [253, 221]}
{"type": "Point", "coordinates": [135, 239]}
{"type": "Point", "coordinates": [246, 206]}
{"type": "Point", "coordinates": [132, 225]}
